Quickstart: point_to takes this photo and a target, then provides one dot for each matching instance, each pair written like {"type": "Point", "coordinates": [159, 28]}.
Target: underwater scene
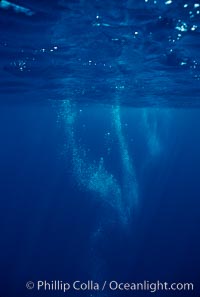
{"type": "Point", "coordinates": [100, 148]}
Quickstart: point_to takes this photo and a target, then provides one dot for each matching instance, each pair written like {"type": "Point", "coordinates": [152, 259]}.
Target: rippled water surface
{"type": "Point", "coordinates": [135, 52]}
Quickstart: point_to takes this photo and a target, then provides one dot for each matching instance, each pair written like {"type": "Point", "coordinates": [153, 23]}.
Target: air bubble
{"type": "Point", "coordinates": [183, 63]}
{"type": "Point", "coordinates": [168, 2]}
{"type": "Point", "coordinates": [194, 27]}
{"type": "Point", "coordinates": [182, 27]}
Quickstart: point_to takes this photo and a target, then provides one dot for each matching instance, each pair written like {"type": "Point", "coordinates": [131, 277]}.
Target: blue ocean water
{"type": "Point", "coordinates": [100, 142]}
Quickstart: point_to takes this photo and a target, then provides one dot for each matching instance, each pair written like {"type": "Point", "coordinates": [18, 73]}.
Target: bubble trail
{"type": "Point", "coordinates": [91, 175]}
{"type": "Point", "coordinates": [129, 181]}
